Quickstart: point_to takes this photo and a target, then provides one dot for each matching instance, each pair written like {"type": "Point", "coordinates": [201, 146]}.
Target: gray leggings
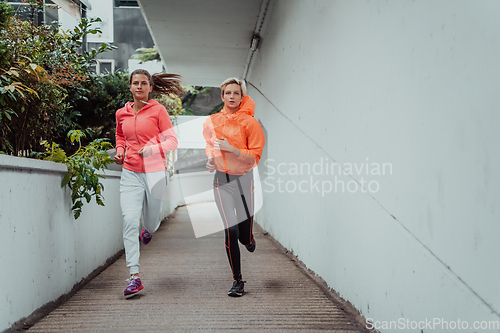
{"type": "Point", "coordinates": [234, 196]}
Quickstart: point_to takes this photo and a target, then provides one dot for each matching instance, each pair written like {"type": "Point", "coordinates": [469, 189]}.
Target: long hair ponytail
{"type": "Point", "coordinates": [164, 84]}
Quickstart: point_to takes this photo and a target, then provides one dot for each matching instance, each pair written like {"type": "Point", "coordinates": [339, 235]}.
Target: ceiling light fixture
{"type": "Point", "coordinates": [255, 42]}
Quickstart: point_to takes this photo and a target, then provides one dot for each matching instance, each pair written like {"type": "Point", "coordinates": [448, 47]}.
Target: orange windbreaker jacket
{"type": "Point", "coordinates": [242, 131]}
{"type": "Point", "coordinates": [150, 127]}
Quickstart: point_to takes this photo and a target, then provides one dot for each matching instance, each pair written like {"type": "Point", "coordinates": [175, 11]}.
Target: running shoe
{"type": "Point", "coordinates": [134, 286]}
{"type": "Point", "coordinates": [146, 236]}
{"type": "Point", "coordinates": [238, 289]}
{"type": "Point", "coordinates": [251, 247]}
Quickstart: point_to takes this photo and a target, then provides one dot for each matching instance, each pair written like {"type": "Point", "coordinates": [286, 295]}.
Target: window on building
{"type": "Point", "coordinates": [38, 15]}
{"type": "Point", "coordinates": [105, 65]}
{"type": "Point", "coordinates": [126, 3]}
{"type": "Point", "coordinates": [51, 14]}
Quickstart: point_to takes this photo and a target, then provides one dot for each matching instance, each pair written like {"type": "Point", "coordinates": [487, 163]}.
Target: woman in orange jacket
{"type": "Point", "coordinates": [144, 133]}
{"type": "Point", "coordinates": [234, 143]}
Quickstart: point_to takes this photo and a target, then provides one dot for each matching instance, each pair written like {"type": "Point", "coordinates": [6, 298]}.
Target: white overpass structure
{"type": "Point", "coordinates": [381, 170]}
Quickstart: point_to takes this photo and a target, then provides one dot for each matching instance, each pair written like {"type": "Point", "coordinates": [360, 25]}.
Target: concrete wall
{"type": "Point", "coordinates": [403, 95]}
{"type": "Point", "coordinates": [44, 251]}
{"type": "Point", "coordinates": [189, 131]}
{"type": "Point", "coordinates": [188, 188]}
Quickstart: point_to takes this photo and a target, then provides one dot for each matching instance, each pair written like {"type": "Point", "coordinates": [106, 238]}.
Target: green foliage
{"type": "Point", "coordinates": [81, 177]}
{"type": "Point", "coordinates": [147, 54]}
{"type": "Point", "coordinates": [26, 99]}
{"type": "Point", "coordinates": [41, 77]}
{"type": "Point", "coordinates": [217, 108]}
{"type": "Point", "coordinates": [104, 94]}
{"type": "Point", "coordinates": [73, 41]}
{"type": "Point", "coordinates": [5, 15]}
{"type": "Point", "coordinates": [193, 92]}
{"type": "Point", "coordinates": [172, 103]}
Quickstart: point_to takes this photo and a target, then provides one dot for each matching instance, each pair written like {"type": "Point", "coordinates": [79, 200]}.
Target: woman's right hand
{"type": "Point", "coordinates": [119, 159]}
{"type": "Point", "coordinates": [211, 163]}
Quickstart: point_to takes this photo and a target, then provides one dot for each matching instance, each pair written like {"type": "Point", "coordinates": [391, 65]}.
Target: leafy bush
{"type": "Point", "coordinates": [5, 14]}
{"type": "Point", "coordinates": [48, 89]}
{"type": "Point", "coordinates": [42, 75]}
{"type": "Point", "coordinates": [104, 95]}
{"type": "Point", "coordinates": [81, 177]}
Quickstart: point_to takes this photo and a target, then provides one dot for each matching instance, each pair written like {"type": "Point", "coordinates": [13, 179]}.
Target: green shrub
{"type": "Point", "coordinates": [104, 95]}
{"type": "Point", "coordinates": [82, 177]}
{"type": "Point", "coordinates": [42, 74]}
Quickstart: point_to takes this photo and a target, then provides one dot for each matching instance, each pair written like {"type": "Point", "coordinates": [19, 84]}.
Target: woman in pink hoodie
{"type": "Point", "coordinates": [144, 134]}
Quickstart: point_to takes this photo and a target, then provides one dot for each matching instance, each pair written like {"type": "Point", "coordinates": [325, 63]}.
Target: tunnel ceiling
{"type": "Point", "coordinates": [206, 41]}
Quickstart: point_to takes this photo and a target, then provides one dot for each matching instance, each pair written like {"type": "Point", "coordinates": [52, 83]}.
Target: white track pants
{"type": "Point", "coordinates": [136, 200]}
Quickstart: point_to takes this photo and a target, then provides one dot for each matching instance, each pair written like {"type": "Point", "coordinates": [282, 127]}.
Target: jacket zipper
{"type": "Point", "coordinates": [137, 138]}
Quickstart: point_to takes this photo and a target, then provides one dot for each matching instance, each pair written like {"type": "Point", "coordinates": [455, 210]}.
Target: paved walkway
{"type": "Point", "coordinates": [186, 280]}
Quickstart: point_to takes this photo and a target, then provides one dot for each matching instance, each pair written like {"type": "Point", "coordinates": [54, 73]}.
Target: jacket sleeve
{"type": "Point", "coordinates": [208, 132]}
{"type": "Point", "coordinates": [255, 143]}
{"type": "Point", "coordinates": [167, 135]}
{"type": "Point", "coordinates": [120, 138]}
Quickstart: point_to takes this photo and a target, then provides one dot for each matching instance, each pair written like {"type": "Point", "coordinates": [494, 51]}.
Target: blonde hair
{"type": "Point", "coordinates": [233, 80]}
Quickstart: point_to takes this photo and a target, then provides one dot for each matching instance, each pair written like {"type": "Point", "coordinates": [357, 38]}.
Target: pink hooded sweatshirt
{"type": "Point", "coordinates": [150, 127]}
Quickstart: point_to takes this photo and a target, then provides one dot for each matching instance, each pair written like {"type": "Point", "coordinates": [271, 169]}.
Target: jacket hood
{"type": "Point", "coordinates": [247, 106]}
{"type": "Point", "coordinates": [151, 103]}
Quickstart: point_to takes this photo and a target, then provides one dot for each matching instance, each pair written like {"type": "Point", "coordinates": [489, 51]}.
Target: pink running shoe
{"type": "Point", "coordinates": [134, 286]}
{"type": "Point", "coordinates": [146, 236]}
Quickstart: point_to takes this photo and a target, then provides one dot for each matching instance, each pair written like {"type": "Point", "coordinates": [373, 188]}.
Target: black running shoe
{"type": "Point", "coordinates": [238, 289]}
{"type": "Point", "coordinates": [251, 247]}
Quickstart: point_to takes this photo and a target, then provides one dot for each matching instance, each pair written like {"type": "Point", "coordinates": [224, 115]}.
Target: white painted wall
{"type": "Point", "coordinates": [102, 9]}
{"type": "Point", "coordinates": [188, 188]}
{"type": "Point", "coordinates": [189, 131]}
{"type": "Point", "coordinates": [67, 21]}
{"type": "Point", "coordinates": [409, 83]}
{"type": "Point", "coordinates": [44, 251]}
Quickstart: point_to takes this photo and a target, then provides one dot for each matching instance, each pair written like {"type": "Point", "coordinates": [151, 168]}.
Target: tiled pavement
{"type": "Point", "coordinates": [186, 280]}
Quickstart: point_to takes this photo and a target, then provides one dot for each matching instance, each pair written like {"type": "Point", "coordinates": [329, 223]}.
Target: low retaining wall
{"type": "Point", "coordinates": [44, 251]}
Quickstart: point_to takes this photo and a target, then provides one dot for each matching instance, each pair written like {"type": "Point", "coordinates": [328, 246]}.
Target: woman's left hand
{"type": "Point", "coordinates": [145, 151]}
{"type": "Point", "coordinates": [222, 144]}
